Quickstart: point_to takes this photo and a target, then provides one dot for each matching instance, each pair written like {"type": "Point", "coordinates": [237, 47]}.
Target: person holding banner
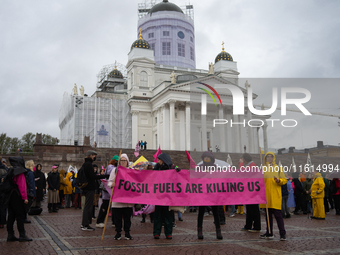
{"type": "Point", "coordinates": [106, 196]}
{"type": "Point", "coordinates": [208, 161]}
{"type": "Point", "coordinates": [274, 178]}
{"type": "Point", "coordinates": [121, 210]}
{"type": "Point", "coordinates": [253, 216]}
{"type": "Point", "coordinates": [162, 212]}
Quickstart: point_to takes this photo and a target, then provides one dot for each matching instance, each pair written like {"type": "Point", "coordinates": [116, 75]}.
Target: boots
{"type": "Point", "coordinates": [199, 233]}
{"type": "Point", "coordinates": [219, 234]}
{"type": "Point", "coordinates": [24, 238]}
{"type": "Point", "coordinates": [11, 237]}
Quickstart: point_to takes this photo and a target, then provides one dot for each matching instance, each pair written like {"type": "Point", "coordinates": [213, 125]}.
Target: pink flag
{"type": "Point", "coordinates": [137, 149]}
{"type": "Point", "coordinates": [192, 163]}
{"type": "Point", "coordinates": [157, 153]}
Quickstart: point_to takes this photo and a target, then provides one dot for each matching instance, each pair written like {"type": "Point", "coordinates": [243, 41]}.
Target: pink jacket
{"type": "Point", "coordinates": [20, 181]}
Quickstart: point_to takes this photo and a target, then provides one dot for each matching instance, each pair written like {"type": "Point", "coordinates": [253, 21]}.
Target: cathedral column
{"type": "Point", "coordinates": [204, 132]}
{"type": "Point", "coordinates": [229, 141]}
{"type": "Point", "coordinates": [187, 126]}
{"type": "Point", "coordinates": [134, 128]}
{"type": "Point", "coordinates": [236, 135]}
{"type": "Point", "coordinates": [158, 128]}
{"type": "Point", "coordinates": [181, 109]}
{"type": "Point", "coordinates": [222, 143]}
{"type": "Point", "coordinates": [166, 128]}
{"type": "Point", "coordinates": [265, 137]}
{"type": "Point", "coordinates": [172, 124]}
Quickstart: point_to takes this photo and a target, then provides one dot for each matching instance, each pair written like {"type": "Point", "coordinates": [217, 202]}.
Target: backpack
{"type": "Point", "coordinates": [81, 180]}
{"type": "Point", "coordinates": [332, 187]}
{"type": "Point", "coordinates": [7, 182]}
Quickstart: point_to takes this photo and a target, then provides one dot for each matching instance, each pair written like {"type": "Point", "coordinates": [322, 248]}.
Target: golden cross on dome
{"type": "Point", "coordinates": [140, 34]}
{"type": "Point", "coordinates": [115, 64]}
{"type": "Point", "coordinates": [222, 46]}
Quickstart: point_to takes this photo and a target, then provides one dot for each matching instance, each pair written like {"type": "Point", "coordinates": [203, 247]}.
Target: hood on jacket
{"type": "Point", "coordinates": [126, 157]}
{"type": "Point", "coordinates": [165, 158]}
{"type": "Point", "coordinates": [18, 163]}
{"type": "Point", "coordinates": [68, 175]}
{"type": "Point", "coordinates": [210, 155]}
{"type": "Point", "coordinates": [36, 167]}
{"type": "Point", "coordinates": [62, 171]}
{"type": "Point", "coordinates": [269, 153]}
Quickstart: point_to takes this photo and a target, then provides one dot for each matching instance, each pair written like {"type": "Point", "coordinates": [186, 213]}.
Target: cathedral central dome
{"type": "Point", "coordinates": [165, 6]}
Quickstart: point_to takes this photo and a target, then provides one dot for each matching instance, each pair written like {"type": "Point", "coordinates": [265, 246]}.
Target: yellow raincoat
{"type": "Point", "coordinates": [68, 184]}
{"type": "Point", "coordinates": [317, 195]}
{"type": "Point", "coordinates": [273, 189]}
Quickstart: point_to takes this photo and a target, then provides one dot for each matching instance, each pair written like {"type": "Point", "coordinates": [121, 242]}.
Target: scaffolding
{"type": "Point", "coordinates": [145, 7]}
{"type": "Point", "coordinates": [106, 121]}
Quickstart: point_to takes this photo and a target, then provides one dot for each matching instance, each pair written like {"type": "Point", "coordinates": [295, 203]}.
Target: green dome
{"type": "Point", "coordinates": [115, 74]}
{"type": "Point", "coordinates": [140, 43]}
{"type": "Point", "coordinates": [165, 6]}
{"type": "Point", "coordinates": [223, 56]}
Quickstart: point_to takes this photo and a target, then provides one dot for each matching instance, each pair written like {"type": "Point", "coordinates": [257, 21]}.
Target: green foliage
{"type": "Point", "coordinates": [28, 140]}
{"type": "Point", "coordinates": [48, 139]}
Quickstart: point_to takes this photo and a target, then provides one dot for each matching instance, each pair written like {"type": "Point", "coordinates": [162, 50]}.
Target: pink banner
{"type": "Point", "coordinates": [179, 189]}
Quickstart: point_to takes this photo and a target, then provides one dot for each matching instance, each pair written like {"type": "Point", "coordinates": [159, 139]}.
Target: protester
{"type": "Point", "coordinates": [97, 192]}
{"type": "Point", "coordinates": [3, 211]}
{"type": "Point", "coordinates": [291, 199]}
{"type": "Point", "coordinates": [298, 193]}
{"type": "Point", "coordinates": [162, 212]}
{"type": "Point", "coordinates": [40, 184]}
{"type": "Point", "coordinates": [208, 161]}
{"type": "Point", "coordinates": [53, 181]}
{"type": "Point", "coordinates": [61, 188]}
{"type": "Point", "coordinates": [306, 192]}
{"type": "Point", "coordinates": [16, 200]}
{"type": "Point", "coordinates": [29, 165]}
{"type": "Point", "coordinates": [274, 178]}
{"type": "Point", "coordinates": [121, 210]}
{"type": "Point", "coordinates": [326, 189]}
{"type": "Point", "coordinates": [68, 189]}
{"type": "Point", "coordinates": [88, 191]}
{"type": "Point", "coordinates": [336, 195]}
{"type": "Point", "coordinates": [77, 194]}
{"type": "Point", "coordinates": [317, 195]}
{"type": "Point", "coordinates": [253, 216]}
{"type": "Point", "coordinates": [106, 196]}
{"type": "Point", "coordinates": [285, 194]}
{"type": "Point", "coordinates": [145, 143]}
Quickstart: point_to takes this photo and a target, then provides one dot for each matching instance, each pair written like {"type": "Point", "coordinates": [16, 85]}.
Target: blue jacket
{"type": "Point", "coordinates": [291, 199]}
{"type": "Point", "coordinates": [31, 182]}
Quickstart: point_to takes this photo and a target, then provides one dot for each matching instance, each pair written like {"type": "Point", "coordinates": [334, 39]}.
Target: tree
{"type": "Point", "coordinates": [27, 142]}
{"type": "Point", "coordinates": [5, 142]}
{"type": "Point", "coordinates": [15, 144]}
{"type": "Point", "coordinates": [47, 139]}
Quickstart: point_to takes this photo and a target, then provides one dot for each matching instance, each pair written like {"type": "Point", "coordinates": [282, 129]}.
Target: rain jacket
{"type": "Point", "coordinates": [273, 189]}
{"type": "Point", "coordinates": [68, 184]}
{"type": "Point", "coordinates": [318, 185]}
{"type": "Point", "coordinates": [317, 195]}
{"type": "Point", "coordinates": [306, 187]}
{"type": "Point", "coordinates": [291, 198]}
{"type": "Point", "coordinates": [62, 182]}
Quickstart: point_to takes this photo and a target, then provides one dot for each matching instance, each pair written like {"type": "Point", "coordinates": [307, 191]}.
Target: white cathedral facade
{"type": "Point", "coordinates": [159, 100]}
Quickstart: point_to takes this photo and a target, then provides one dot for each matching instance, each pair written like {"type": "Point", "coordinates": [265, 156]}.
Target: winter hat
{"type": "Point", "coordinates": [115, 157]}
{"type": "Point", "coordinates": [90, 152]}
{"type": "Point", "coordinates": [126, 157]}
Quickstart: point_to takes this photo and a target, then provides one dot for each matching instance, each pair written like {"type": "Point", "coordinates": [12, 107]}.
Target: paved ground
{"type": "Point", "coordinates": [60, 233]}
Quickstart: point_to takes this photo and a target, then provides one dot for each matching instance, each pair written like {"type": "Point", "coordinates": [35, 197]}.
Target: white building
{"type": "Point", "coordinates": [159, 100]}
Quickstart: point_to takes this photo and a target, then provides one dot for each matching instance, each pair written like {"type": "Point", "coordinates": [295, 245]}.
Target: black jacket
{"type": "Point", "coordinates": [53, 180]}
{"type": "Point", "coordinates": [167, 163]}
{"type": "Point", "coordinates": [298, 186]}
{"type": "Point", "coordinates": [40, 184]}
{"type": "Point", "coordinates": [91, 176]}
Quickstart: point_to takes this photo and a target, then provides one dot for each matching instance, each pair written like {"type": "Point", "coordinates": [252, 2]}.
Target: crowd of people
{"type": "Point", "coordinates": [306, 193]}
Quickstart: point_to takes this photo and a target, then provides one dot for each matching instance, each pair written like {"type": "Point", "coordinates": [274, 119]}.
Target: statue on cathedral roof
{"type": "Point", "coordinates": [173, 77]}
{"type": "Point", "coordinates": [211, 68]}
{"type": "Point", "coordinates": [75, 90]}
{"type": "Point", "coordinates": [81, 90]}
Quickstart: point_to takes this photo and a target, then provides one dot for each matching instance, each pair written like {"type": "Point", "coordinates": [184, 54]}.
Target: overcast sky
{"type": "Point", "coordinates": [47, 46]}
